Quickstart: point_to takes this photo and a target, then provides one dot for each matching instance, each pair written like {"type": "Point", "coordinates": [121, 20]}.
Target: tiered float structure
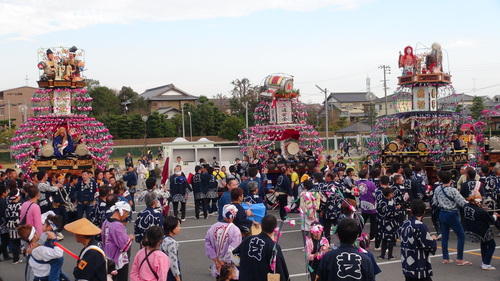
{"type": "Point", "coordinates": [425, 105]}
{"type": "Point", "coordinates": [61, 136]}
{"type": "Point", "coordinates": [280, 122]}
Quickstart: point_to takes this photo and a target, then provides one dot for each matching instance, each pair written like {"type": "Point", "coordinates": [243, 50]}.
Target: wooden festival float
{"type": "Point", "coordinates": [280, 122]}
{"type": "Point", "coordinates": [61, 136]}
{"type": "Point", "coordinates": [425, 105]}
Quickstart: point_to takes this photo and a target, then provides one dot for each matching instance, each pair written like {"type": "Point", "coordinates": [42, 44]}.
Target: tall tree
{"type": "Point", "coordinates": [370, 114]}
{"type": "Point", "coordinates": [477, 108]}
{"type": "Point", "coordinates": [231, 128]}
{"type": "Point", "coordinates": [242, 94]}
{"type": "Point", "coordinates": [91, 84]}
{"type": "Point", "coordinates": [137, 103]}
{"type": "Point", "coordinates": [105, 101]}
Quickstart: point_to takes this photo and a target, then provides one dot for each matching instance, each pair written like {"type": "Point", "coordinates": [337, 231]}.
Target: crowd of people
{"type": "Point", "coordinates": [335, 199]}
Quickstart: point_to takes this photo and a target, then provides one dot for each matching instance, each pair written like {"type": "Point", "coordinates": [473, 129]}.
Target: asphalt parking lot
{"type": "Point", "coordinates": [195, 264]}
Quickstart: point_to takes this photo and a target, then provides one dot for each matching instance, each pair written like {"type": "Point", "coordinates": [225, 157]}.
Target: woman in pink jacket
{"type": "Point", "coordinates": [150, 264]}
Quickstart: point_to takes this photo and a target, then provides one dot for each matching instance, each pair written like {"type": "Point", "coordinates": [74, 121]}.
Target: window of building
{"type": "Point", "coordinates": [2, 111]}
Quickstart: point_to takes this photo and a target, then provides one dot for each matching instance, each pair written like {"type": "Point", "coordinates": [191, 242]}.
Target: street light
{"type": "Point", "coordinates": [145, 119]}
{"type": "Point", "coordinates": [326, 118]}
{"type": "Point", "coordinates": [183, 128]}
{"type": "Point", "coordinates": [246, 115]}
{"type": "Point", "coordinates": [387, 70]}
{"type": "Point", "coordinates": [190, 125]}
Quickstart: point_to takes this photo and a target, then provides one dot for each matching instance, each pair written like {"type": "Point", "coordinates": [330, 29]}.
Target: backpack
{"type": "Point", "coordinates": [23, 220]}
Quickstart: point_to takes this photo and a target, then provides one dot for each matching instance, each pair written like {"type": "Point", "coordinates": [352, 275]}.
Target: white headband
{"type": "Point", "coordinates": [32, 234]}
{"type": "Point", "coordinates": [121, 206]}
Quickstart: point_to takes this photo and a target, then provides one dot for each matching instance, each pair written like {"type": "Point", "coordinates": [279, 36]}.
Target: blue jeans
{"type": "Point", "coordinates": [81, 208]}
{"type": "Point", "coordinates": [451, 220]}
{"type": "Point", "coordinates": [56, 272]}
{"type": "Point", "coordinates": [487, 250]}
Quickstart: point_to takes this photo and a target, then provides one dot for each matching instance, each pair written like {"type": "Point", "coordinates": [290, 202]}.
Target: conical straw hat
{"type": "Point", "coordinates": [83, 227]}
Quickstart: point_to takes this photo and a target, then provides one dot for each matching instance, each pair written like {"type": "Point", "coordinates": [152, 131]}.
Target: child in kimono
{"type": "Point", "coordinates": [387, 226]}
{"type": "Point", "coordinates": [309, 204]}
{"type": "Point", "coordinates": [316, 247]}
{"type": "Point", "coordinates": [417, 244]}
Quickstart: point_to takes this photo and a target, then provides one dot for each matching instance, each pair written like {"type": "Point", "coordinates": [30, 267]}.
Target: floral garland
{"type": "Point", "coordinates": [435, 129]}
{"type": "Point", "coordinates": [44, 102]}
{"type": "Point", "coordinates": [30, 134]}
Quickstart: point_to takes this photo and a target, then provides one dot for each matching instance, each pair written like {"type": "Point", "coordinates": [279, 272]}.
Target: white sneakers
{"type": "Point", "coordinates": [487, 267]}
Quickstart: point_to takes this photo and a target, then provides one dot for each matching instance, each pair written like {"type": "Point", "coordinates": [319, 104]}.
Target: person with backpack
{"type": "Point", "coordinates": [30, 211]}
{"type": "Point", "coordinates": [39, 257]}
{"type": "Point", "coordinates": [448, 200]}
{"type": "Point", "coordinates": [149, 262]}
{"type": "Point", "coordinates": [91, 264]}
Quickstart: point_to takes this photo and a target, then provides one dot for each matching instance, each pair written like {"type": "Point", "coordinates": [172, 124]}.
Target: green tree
{"type": "Point", "coordinates": [477, 108]}
{"type": "Point", "coordinates": [231, 128]}
{"type": "Point", "coordinates": [91, 84]}
{"type": "Point", "coordinates": [6, 136]}
{"type": "Point", "coordinates": [137, 103]}
{"type": "Point", "coordinates": [370, 114]}
{"type": "Point", "coordinates": [105, 101]}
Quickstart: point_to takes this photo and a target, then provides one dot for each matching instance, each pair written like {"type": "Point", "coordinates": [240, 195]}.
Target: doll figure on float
{"type": "Point", "coordinates": [434, 60]}
{"type": "Point", "coordinates": [63, 143]}
{"type": "Point", "coordinates": [51, 66]}
{"type": "Point", "coordinates": [408, 61]}
{"type": "Point", "coordinates": [73, 66]}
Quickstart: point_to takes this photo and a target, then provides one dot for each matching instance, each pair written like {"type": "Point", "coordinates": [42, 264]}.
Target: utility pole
{"type": "Point", "coordinates": [183, 128]}
{"type": "Point", "coordinates": [246, 116]}
{"type": "Point", "coordinates": [326, 118]}
{"type": "Point", "coordinates": [387, 70]}
{"type": "Point", "coordinates": [371, 111]}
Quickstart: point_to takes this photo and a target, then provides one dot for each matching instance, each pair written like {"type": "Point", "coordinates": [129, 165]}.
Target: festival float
{"type": "Point", "coordinates": [426, 114]}
{"type": "Point", "coordinates": [61, 136]}
{"type": "Point", "coordinates": [280, 122]}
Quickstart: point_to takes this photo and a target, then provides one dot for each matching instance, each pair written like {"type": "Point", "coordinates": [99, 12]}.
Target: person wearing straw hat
{"type": "Point", "coordinates": [91, 263]}
{"type": "Point", "coordinates": [115, 240]}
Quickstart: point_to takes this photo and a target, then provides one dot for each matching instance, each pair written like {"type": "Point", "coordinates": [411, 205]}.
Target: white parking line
{"type": "Point", "coordinates": [434, 256]}
{"type": "Point", "coordinates": [196, 226]}
{"type": "Point", "coordinates": [190, 241]}
{"type": "Point", "coordinates": [292, 249]}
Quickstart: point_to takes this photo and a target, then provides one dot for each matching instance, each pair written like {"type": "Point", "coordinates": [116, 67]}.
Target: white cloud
{"type": "Point", "coordinates": [463, 42]}
{"type": "Point", "coordinates": [23, 19]}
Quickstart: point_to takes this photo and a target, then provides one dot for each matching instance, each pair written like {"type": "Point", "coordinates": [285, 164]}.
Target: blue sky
{"type": "Point", "coordinates": [201, 46]}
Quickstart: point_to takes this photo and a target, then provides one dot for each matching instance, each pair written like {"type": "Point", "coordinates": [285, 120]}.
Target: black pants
{"type": "Point", "coordinates": [435, 219]}
{"type": "Point", "coordinates": [282, 200]}
{"type": "Point", "coordinates": [5, 240]}
{"type": "Point", "coordinates": [328, 228]}
{"type": "Point", "coordinates": [213, 208]}
{"type": "Point", "coordinates": [176, 209]}
{"type": "Point", "coordinates": [16, 249]}
{"type": "Point", "coordinates": [373, 223]}
{"type": "Point", "coordinates": [132, 195]}
{"type": "Point", "coordinates": [204, 204]}
{"type": "Point", "coordinates": [387, 245]}
{"type": "Point", "coordinates": [123, 273]}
